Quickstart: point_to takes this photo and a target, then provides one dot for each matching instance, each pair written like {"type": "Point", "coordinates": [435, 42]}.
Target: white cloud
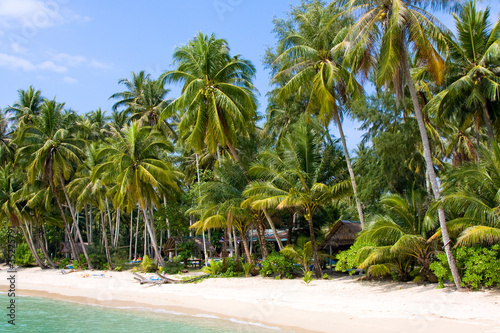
{"type": "Point", "coordinates": [68, 60]}
{"type": "Point", "coordinates": [49, 65]}
{"type": "Point", "coordinates": [15, 62]}
{"type": "Point", "coordinates": [20, 9]}
{"type": "Point", "coordinates": [99, 65]}
{"type": "Point", "coordinates": [70, 80]}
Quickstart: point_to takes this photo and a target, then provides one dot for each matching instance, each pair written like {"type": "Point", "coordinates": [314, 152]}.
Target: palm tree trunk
{"type": "Point", "coordinates": [111, 230]}
{"type": "Point", "coordinates": [66, 225]}
{"type": "Point", "coordinates": [487, 121]}
{"type": "Point", "coordinates": [42, 246]}
{"type": "Point", "coordinates": [351, 171]}
{"type": "Point", "coordinates": [117, 230]}
{"type": "Point", "coordinates": [244, 239]}
{"type": "Point", "coordinates": [275, 232]}
{"type": "Point", "coordinates": [105, 238]}
{"type": "Point", "coordinates": [75, 223]}
{"type": "Point", "coordinates": [152, 236]}
{"type": "Point", "coordinates": [31, 246]}
{"type": "Point", "coordinates": [262, 238]}
{"type": "Point", "coordinates": [317, 266]}
{"type": "Point", "coordinates": [131, 235]}
{"type": "Point", "coordinates": [137, 231]}
{"type": "Point", "coordinates": [432, 175]}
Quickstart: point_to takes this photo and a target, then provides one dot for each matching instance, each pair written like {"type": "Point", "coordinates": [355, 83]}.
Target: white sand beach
{"type": "Point", "coordinates": [342, 303]}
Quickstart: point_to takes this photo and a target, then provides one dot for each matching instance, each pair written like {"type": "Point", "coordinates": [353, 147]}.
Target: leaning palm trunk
{"type": "Point", "coordinates": [432, 175]}
{"type": "Point", "coordinates": [487, 121]}
{"type": "Point", "coordinates": [105, 238]}
{"type": "Point", "coordinates": [152, 237]}
{"type": "Point", "coordinates": [42, 246]}
{"type": "Point", "coordinates": [66, 225]}
{"type": "Point", "coordinates": [317, 266]}
{"type": "Point", "coordinates": [262, 238]}
{"type": "Point", "coordinates": [74, 215]}
{"type": "Point", "coordinates": [31, 246]}
{"type": "Point", "coordinates": [244, 239]}
{"type": "Point", "coordinates": [351, 171]}
{"type": "Point", "coordinates": [275, 232]}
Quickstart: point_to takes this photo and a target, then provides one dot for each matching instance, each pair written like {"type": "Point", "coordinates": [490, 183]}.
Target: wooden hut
{"type": "Point", "coordinates": [341, 236]}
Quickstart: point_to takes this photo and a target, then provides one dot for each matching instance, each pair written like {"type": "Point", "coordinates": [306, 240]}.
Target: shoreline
{"type": "Point", "coordinates": [342, 302]}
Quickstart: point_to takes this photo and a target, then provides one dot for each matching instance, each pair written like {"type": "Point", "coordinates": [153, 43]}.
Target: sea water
{"type": "Point", "coordinates": [36, 314]}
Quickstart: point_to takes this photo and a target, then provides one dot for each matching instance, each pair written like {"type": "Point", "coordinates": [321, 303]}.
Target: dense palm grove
{"type": "Point", "coordinates": [424, 183]}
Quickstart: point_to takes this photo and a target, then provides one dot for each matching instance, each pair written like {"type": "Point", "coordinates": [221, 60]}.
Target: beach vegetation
{"type": "Point", "coordinates": [278, 265]}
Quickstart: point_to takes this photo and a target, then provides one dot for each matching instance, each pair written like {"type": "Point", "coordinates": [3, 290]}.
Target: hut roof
{"type": "Point", "coordinates": [172, 242]}
{"type": "Point", "coordinates": [343, 233]}
{"type": "Point", "coordinates": [65, 247]}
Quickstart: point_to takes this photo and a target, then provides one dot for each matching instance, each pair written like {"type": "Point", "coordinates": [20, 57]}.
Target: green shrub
{"type": "Point", "coordinates": [99, 261]}
{"type": "Point", "coordinates": [277, 265]}
{"type": "Point", "coordinates": [478, 266]}
{"type": "Point", "coordinates": [247, 267]}
{"type": "Point", "coordinates": [23, 256]}
{"type": "Point", "coordinates": [171, 267]}
{"type": "Point", "coordinates": [148, 265]}
{"type": "Point", "coordinates": [308, 277]}
{"type": "Point", "coordinates": [214, 268]}
{"type": "Point", "coordinates": [349, 259]}
{"type": "Point", "coordinates": [185, 251]}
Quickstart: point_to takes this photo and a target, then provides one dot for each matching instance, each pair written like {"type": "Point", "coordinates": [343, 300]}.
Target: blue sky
{"type": "Point", "coordinates": [77, 51]}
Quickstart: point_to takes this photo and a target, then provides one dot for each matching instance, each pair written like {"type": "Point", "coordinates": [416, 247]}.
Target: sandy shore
{"type": "Point", "coordinates": [324, 306]}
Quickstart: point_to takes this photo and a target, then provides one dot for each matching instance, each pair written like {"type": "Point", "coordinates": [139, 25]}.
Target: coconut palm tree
{"type": "Point", "coordinates": [472, 196]}
{"type": "Point", "coordinates": [131, 161]}
{"type": "Point", "coordinates": [135, 89]}
{"type": "Point", "coordinates": [298, 174]}
{"type": "Point", "coordinates": [218, 100]}
{"type": "Point", "coordinates": [401, 232]}
{"type": "Point", "coordinates": [27, 107]}
{"type": "Point", "coordinates": [307, 61]}
{"type": "Point", "coordinates": [380, 40]}
{"type": "Point", "coordinates": [473, 79]}
{"type": "Point", "coordinates": [49, 152]}
{"type": "Point", "coordinates": [7, 149]}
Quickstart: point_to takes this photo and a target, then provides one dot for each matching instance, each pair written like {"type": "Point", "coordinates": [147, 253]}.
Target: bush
{"type": "Point", "coordinates": [185, 251]}
{"type": "Point", "coordinates": [148, 265]}
{"type": "Point", "coordinates": [277, 265]}
{"type": "Point", "coordinates": [214, 268]}
{"type": "Point", "coordinates": [477, 266]}
{"type": "Point", "coordinates": [23, 256]}
{"type": "Point", "coordinates": [171, 267]}
{"type": "Point", "coordinates": [348, 259]}
{"type": "Point", "coordinates": [99, 261]}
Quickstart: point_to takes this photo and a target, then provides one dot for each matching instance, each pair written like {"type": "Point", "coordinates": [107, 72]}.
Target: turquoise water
{"type": "Point", "coordinates": [35, 314]}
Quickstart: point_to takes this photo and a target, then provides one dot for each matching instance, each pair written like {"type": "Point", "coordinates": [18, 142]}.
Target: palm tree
{"type": "Point", "coordinates": [297, 175]}
{"type": "Point", "coordinates": [7, 149]}
{"type": "Point", "coordinates": [472, 196]}
{"type": "Point", "coordinates": [218, 100]}
{"type": "Point", "coordinates": [474, 75]}
{"type": "Point", "coordinates": [27, 107]}
{"type": "Point", "coordinates": [135, 89]}
{"type": "Point", "coordinates": [301, 253]}
{"type": "Point", "coordinates": [380, 39]}
{"type": "Point", "coordinates": [131, 161]}
{"type": "Point", "coordinates": [401, 232]}
{"type": "Point", "coordinates": [49, 152]}
{"type": "Point", "coordinates": [307, 60]}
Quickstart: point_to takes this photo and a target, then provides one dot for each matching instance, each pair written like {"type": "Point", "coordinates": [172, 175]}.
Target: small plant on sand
{"type": "Point", "coordinates": [308, 277]}
{"type": "Point", "coordinates": [214, 268]}
{"type": "Point", "coordinates": [148, 265]}
{"type": "Point", "coordinates": [247, 267]}
{"type": "Point", "coordinates": [326, 276]}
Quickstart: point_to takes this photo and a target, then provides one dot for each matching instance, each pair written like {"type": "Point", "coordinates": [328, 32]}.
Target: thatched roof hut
{"type": "Point", "coordinates": [172, 243]}
{"type": "Point", "coordinates": [342, 235]}
{"type": "Point", "coordinates": [65, 247]}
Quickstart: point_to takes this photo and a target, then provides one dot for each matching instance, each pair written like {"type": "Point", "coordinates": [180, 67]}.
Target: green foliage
{"type": "Point", "coordinates": [479, 266]}
{"type": "Point", "coordinates": [308, 278]}
{"type": "Point", "coordinates": [214, 268]}
{"type": "Point", "coordinates": [247, 267]}
{"type": "Point", "coordinates": [23, 256]}
{"type": "Point", "coordinates": [148, 265]}
{"type": "Point", "coordinates": [349, 259]}
{"type": "Point", "coordinates": [99, 261]}
{"type": "Point", "coordinates": [277, 265]}
{"type": "Point", "coordinates": [185, 251]}
{"type": "Point", "coordinates": [171, 267]}
{"type": "Point", "coordinates": [326, 276]}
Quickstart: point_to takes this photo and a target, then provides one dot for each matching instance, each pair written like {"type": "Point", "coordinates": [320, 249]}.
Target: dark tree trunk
{"type": "Point", "coordinates": [317, 266]}
{"type": "Point", "coordinates": [105, 238]}
{"type": "Point", "coordinates": [262, 238]}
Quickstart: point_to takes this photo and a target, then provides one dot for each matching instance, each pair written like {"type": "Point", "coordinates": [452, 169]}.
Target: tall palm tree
{"type": "Point", "coordinates": [135, 89]}
{"type": "Point", "coordinates": [27, 107]}
{"type": "Point", "coordinates": [7, 149]}
{"type": "Point", "coordinates": [307, 60]}
{"type": "Point", "coordinates": [218, 99]}
{"type": "Point", "coordinates": [297, 175]}
{"type": "Point", "coordinates": [49, 152]}
{"type": "Point", "coordinates": [379, 39]}
{"type": "Point", "coordinates": [474, 74]}
{"type": "Point", "coordinates": [131, 161]}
